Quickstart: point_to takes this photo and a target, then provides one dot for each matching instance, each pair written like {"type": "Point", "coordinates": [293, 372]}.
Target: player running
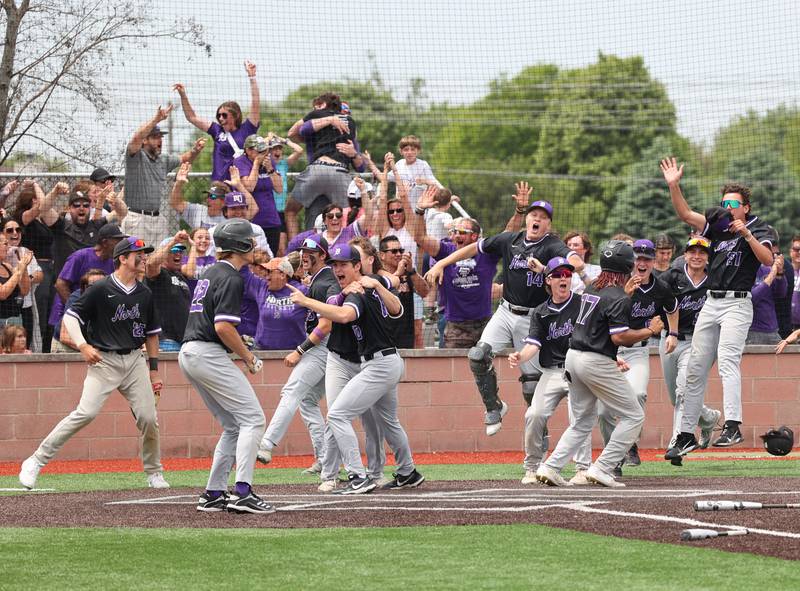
{"type": "Point", "coordinates": [368, 307]}
{"type": "Point", "coordinates": [210, 336]}
{"type": "Point", "coordinates": [740, 244]}
{"type": "Point", "coordinates": [550, 331]}
{"type": "Point", "coordinates": [523, 290]}
{"type": "Point", "coordinates": [108, 324]}
{"type": "Point", "coordinates": [602, 325]}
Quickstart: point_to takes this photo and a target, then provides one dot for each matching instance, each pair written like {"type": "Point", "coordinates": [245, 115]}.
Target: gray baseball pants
{"type": "Point", "coordinates": [337, 375]}
{"type": "Point", "coordinates": [638, 376]}
{"type": "Point", "coordinates": [303, 390]}
{"type": "Point", "coordinates": [594, 377]}
{"type": "Point", "coordinates": [231, 399]}
{"type": "Point", "coordinates": [129, 374]}
{"type": "Point", "coordinates": [551, 389]}
{"type": "Point", "coordinates": [721, 330]}
{"type": "Point", "coordinates": [374, 387]}
{"type": "Point", "coordinates": [506, 329]}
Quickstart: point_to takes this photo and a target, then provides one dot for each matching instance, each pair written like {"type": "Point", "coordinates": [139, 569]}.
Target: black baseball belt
{"type": "Point", "coordinates": [518, 310]}
{"type": "Point", "coordinates": [153, 212]}
{"type": "Point", "coordinates": [718, 295]}
{"type": "Point", "coordinates": [381, 353]}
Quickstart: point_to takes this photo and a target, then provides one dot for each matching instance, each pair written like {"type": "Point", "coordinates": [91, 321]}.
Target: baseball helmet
{"type": "Point", "coordinates": [778, 441]}
{"type": "Point", "coordinates": [234, 235]}
{"type": "Point", "coordinates": [616, 256]}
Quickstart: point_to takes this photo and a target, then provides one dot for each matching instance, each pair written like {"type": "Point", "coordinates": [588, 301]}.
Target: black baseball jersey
{"type": "Point", "coordinates": [691, 297]}
{"type": "Point", "coordinates": [173, 297]}
{"type": "Point", "coordinates": [733, 264]}
{"type": "Point", "coordinates": [551, 328]}
{"type": "Point", "coordinates": [321, 282]}
{"type": "Point", "coordinates": [602, 313]}
{"type": "Point", "coordinates": [115, 317]}
{"type": "Point", "coordinates": [342, 339]}
{"type": "Point", "coordinates": [403, 327]}
{"type": "Point", "coordinates": [373, 325]}
{"type": "Point", "coordinates": [651, 300]}
{"type": "Point", "coordinates": [217, 298]}
{"type": "Point", "coordinates": [521, 286]}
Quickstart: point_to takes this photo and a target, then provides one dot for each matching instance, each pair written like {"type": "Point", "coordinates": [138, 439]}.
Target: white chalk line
{"type": "Point", "coordinates": [681, 520]}
{"type": "Point", "coordinates": [27, 490]}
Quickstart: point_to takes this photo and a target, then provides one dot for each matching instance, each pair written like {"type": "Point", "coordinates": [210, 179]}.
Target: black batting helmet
{"type": "Point", "coordinates": [616, 256]}
{"type": "Point", "coordinates": [234, 235]}
{"type": "Point", "coordinates": [778, 441]}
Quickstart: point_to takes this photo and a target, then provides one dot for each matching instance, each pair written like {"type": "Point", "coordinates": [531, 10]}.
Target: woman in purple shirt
{"type": "Point", "coordinates": [228, 130]}
{"type": "Point", "coordinates": [769, 282]}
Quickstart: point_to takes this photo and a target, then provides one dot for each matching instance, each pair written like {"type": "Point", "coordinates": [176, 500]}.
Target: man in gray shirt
{"type": "Point", "coordinates": [146, 179]}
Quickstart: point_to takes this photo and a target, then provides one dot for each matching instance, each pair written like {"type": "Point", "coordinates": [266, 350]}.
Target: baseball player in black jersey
{"type": "Point", "coordinates": [602, 325]}
{"type": "Point", "coordinates": [649, 297]}
{"type": "Point", "coordinates": [740, 244]}
{"type": "Point", "coordinates": [551, 327]}
{"type": "Point", "coordinates": [117, 315]}
{"type": "Point", "coordinates": [306, 383]}
{"type": "Point", "coordinates": [368, 308]}
{"type": "Point", "coordinates": [210, 336]}
{"type": "Point", "coordinates": [689, 284]}
{"type": "Point", "coordinates": [523, 290]}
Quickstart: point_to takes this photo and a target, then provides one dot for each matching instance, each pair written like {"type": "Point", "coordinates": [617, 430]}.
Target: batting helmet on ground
{"type": "Point", "coordinates": [778, 441]}
{"type": "Point", "coordinates": [234, 235]}
{"type": "Point", "coordinates": [616, 256]}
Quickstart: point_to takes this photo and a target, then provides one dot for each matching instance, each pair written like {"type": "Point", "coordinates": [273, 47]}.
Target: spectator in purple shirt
{"type": "Point", "coordinates": [281, 322]}
{"type": "Point", "coordinates": [259, 177]}
{"type": "Point", "coordinates": [795, 257]}
{"type": "Point", "coordinates": [764, 328]}
{"type": "Point", "coordinates": [228, 130]}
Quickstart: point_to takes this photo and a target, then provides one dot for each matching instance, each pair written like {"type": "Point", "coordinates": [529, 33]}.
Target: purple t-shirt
{"type": "Point", "coordinates": [765, 319]}
{"type": "Point", "coordinates": [222, 158]}
{"type": "Point", "coordinates": [796, 301]}
{"type": "Point", "coordinates": [201, 264]}
{"type": "Point", "coordinates": [281, 323]}
{"type": "Point", "coordinates": [467, 285]}
{"type": "Point", "coordinates": [78, 263]}
{"type": "Point", "coordinates": [267, 216]}
{"type": "Point", "coordinates": [248, 323]}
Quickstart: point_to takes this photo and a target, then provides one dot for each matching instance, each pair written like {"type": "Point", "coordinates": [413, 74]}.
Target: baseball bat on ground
{"type": "Point", "coordinates": [703, 534]}
{"type": "Point", "coordinates": [740, 505]}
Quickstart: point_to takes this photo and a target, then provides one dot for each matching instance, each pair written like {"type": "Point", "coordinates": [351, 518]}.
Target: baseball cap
{"type": "Point", "coordinates": [276, 143]}
{"type": "Point", "coordinates": [110, 231]}
{"type": "Point", "coordinates": [644, 248]}
{"type": "Point", "coordinates": [353, 192]}
{"type": "Point", "coordinates": [130, 244]}
{"type": "Point", "coordinates": [217, 190]}
{"type": "Point", "coordinates": [315, 244]}
{"type": "Point", "coordinates": [698, 241]}
{"type": "Point", "coordinates": [345, 109]}
{"type": "Point", "coordinates": [545, 205]}
{"type": "Point", "coordinates": [257, 142]}
{"type": "Point", "coordinates": [178, 248]}
{"type": "Point", "coordinates": [78, 196]}
{"type": "Point", "coordinates": [157, 131]}
{"type": "Point", "coordinates": [235, 199]}
{"type": "Point", "coordinates": [344, 253]}
{"type": "Point", "coordinates": [100, 175]}
{"type": "Point", "coordinates": [280, 264]}
{"type": "Point", "coordinates": [664, 241]}
{"type": "Point", "coordinates": [555, 263]}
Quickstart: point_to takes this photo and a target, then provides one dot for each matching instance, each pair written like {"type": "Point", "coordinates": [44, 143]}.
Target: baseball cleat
{"type": "Point", "coordinates": [412, 480]}
{"type": "Point", "coordinates": [530, 477]}
{"type": "Point", "coordinates": [251, 503]}
{"type": "Point", "coordinates": [677, 461]}
{"type": "Point", "coordinates": [211, 504]}
{"type": "Point", "coordinates": [356, 486]}
{"type": "Point", "coordinates": [312, 470]}
{"type": "Point", "coordinates": [598, 476]}
{"type": "Point", "coordinates": [707, 429]}
{"type": "Point", "coordinates": [632, 457]}
{"type": "Point", "coordinates": [29, 472]}
{"type": "Point", "coordinates": [579, 479]}
{"type": "Point", "coordinates": [380, 481]}
{"type": "Point", "coordinates": [156, 480]}
{"type": "Point", "coordinates": [550, 477]}
{"type": "Point", "coordinates": [684, 443]}
{"type": "Point", "coordinates": [328, 486]}
{"type": "Point", "coordinates": [731, 435]}
{"type": "Point", "coordinates": [617, 472]}
{"type": "Point", "coordinates": [494, 419]}
{"type": "Point", "coordinates": [263, 455]}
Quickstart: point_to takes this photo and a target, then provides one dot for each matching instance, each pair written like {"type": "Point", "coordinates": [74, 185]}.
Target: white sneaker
{"type": "Point", "coordinates": [312, 470]}
{"type": "Point", "coordinates": [550, 477]}
{"type": "Point", "coordinates": [529, 478]}
{"type": "Point", "coordinates": [579, 479]}
{"type": "Point", "coordinates": [381, 480]}
{"type": "Point", "coordinates": [264, 455]}
{"type": "Point", "coordinates": [156, 480]}
{"type": "Point", "coordinates": [596, 475]}
{"type": "Point", "coordinates": [328, 486]}
{"type": "Point", "coordinates": [494, 419]}
{"type": "Point", "coordinates": [29, 472]}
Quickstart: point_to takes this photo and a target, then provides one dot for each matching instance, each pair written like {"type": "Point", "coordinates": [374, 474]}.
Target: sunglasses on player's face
{"type": "Point", "coordinates": [731, 203]}
{"type": "Point", "coordinates": [561, 274]}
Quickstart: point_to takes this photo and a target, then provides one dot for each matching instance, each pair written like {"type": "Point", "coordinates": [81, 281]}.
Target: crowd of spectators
{"type": "Point", "coordinates": [54, 244]}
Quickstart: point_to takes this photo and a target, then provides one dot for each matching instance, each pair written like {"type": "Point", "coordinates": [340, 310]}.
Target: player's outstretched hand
{"type": "Point", "coordinates": [671, 171]}
{"type": "Point", "coordinates": [90, 354]}
{"type": "Point", "coordinates": [297, 296]}
{"type": "Point", "coordinates": [523, 194]}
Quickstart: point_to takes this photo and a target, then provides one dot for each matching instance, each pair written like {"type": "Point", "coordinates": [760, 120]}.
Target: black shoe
{"type": "Point", "coordinates": [677, 461]}
{"type": "Point", "coordinates": [731, 435]}
{"type": "Point", "coordinates": [356, 486]}
{"type": "Point", "coordinates": [617, 471]}
{"type": "Point", "coordinates": [252, 503]}
{"type": "Point", "coordinates": [632, 457]}
{"type": "Point", "coordinates": [684, 443]}
{"type": "Point", "coordinates": [209, 504]}
{"type": "Point", "coordinates": [412, 480]}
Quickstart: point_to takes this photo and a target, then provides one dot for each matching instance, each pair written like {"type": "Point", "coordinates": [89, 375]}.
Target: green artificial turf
{"type": "Point", "coordinates": [465, 557]}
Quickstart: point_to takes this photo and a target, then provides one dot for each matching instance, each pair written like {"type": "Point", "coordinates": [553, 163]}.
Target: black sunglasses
{"type": "Point", "coordinates": [222, 115]}
{"type": "Point", "coordinates": [395, 250]}
{"type": "Point", "coordinates": [330, 216]}
{"type": "Point", "coordinates": [401, 210]}
{"type": "Point", "coordinates": [13, 231]}
{"type": "Point", "coordinates": [81, 204]}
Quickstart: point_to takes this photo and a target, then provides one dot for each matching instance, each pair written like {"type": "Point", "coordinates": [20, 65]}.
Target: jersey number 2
{"type": "Point", "coordinates": [588, 304]}
{"type": "Point", "coordinates": [199, 293]}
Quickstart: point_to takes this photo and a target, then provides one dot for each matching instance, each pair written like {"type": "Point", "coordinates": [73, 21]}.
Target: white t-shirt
{"type": "Point", "coordinates": [406, 241]}
{"type": "Point", "coordinates": [261, 241]}
{"type": "Point", "coordinates": [409, 173]}
{"type": "Point", "coordinates": [196, 215]}
{"type": "Point", "coordinates": [437, 223]}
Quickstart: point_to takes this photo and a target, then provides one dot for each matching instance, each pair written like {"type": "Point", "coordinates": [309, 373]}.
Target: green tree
{"type": "Point", "coordinates": [774, 188]}
{"type": "Point", "coordinates": [643, 208]}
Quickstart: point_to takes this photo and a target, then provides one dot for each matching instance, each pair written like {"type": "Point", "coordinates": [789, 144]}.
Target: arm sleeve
{"type": "Point", "coordinates": [495, 244]}
{"type": "Point", "coordinates": [535, 332]}
{"type": "Point", "coordinates": [619, 315]}
{"type": "Point", "coordinates": [227, 300]}
{"type": "Point", "coordinates": [354, 301]}
{"type": "Point", "coordinates": [153, 319]}
{"type": "Point", "coordinates": [85, 308]}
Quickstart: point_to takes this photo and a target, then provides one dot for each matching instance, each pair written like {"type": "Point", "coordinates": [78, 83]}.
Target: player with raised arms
{"type": "Point", "coordinates": [210, 335]}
